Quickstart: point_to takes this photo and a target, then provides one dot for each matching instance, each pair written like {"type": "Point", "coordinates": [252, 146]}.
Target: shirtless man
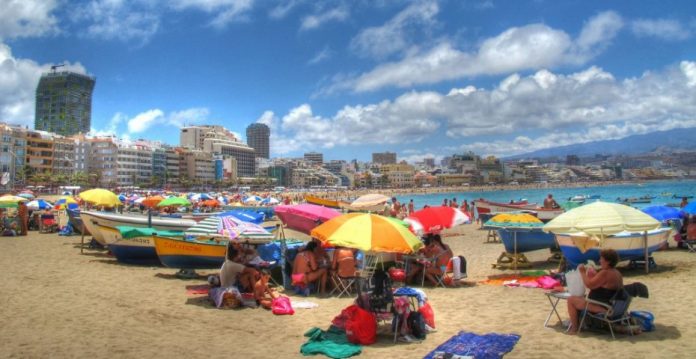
{"type": "Point", "coordinates": [306, 265]}
{"type": "Point", "coordinates": [233, 272]}
{"type": "Point", "coordinates": [550, 203]}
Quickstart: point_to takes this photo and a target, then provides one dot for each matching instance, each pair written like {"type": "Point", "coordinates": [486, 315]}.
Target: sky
{"type": "Point", "coordinates": [348, 78]}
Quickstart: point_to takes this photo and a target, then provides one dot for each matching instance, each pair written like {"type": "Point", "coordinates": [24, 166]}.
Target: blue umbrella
{"type": "Point", "coordinates": [39, 204]}
{"type": "Point", "coordinates": [663, 213]}
{"type": "Point", "coordinates": [690, 208]}
{"type": "Point", "coordinates": [246, 216]}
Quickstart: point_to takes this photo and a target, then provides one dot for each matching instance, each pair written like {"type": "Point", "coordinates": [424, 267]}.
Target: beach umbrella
{"type": "Point", "coordinates": [210, 203]}
{"type": "Point", "coordinates": [602, 219]}
{"type": "Point", "coordinates": [65, 202]}
{"type": "Point", "coordinates": [26, 195]}
{"type": "Point", "coordinates": [39, 204]}
{"type": "Point", "coordinates": [435, 219]}
{"type": "Point", "coordinates": [234, 228]}
{"type": "Point", "coordinates": [514, 220]}
{"type": "Point", "coordinates": [8, 198]}
{"type": "Point", "coordinates": [304, 217]}
{"type": "Point", "coordinates": [208, 226]}
{"type": "Point", "coordinates": [368, 232]}
{"type": "Point", "coordinates": [151, 201]}
{"type": "Point", "coordinates": [690, 208]}
{"type": "Point", "coordinates": [253, 199]}
{"type": "Point", "coordinates": [663, 213]}
{"type": "Point", "coordinates": [174, 201]}
{"type": "Point", "coordinates": [246, 216]}
{"type": "Point", "coordinates": [200, 197]}
{"type": "Point", "coordinates": [101, 197]}
{"type": "Point", "coordinates": [369, 200]}
{"type": "Point", "coordinates": [269, 201]}
{"type": "Point", "coordinates": [66, 193]}
{"type": "Point", "coordinates": [122, 197]}
{"type": "Point", "coordinates": [222, 199]}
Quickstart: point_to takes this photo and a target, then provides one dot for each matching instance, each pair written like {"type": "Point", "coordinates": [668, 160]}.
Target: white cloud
{"type": "Point", "coordinates": [145, 120]}
{"type": "Point", "coordinates": [188, 117]}
{"type": "Point", "coordinates": [392, 37]}
{"type": "Point", "coordinates": [118, 20]}
{"type": "Point", "coordinates": [27, 18]}
{"type": "Point", "coordinates": [112, 127]}
{"type": "Point", "coordinates": [321, 56]}
{"type": "Point", "coordinates": [666, 29]}
{"type": "Point", "coordinates": [529, 47]}
{"type": "Point", "coordinates": [282, 10]}
{"type": "Point", "coordinates": [570, 108]}
{"type": "Point", "coordinates": [312, 22]}
{"type": "Point", "coordinates": [18, 81]}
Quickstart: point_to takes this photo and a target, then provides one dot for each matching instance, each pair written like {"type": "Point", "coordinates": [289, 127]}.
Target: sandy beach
{"type": "Point", "coordinates": [56, 302]}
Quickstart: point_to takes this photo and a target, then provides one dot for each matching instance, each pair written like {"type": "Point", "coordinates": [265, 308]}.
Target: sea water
{"type": "Point", "coordinates": [663, 191]}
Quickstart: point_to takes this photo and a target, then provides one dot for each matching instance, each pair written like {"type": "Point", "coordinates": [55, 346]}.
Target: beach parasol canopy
{"type": "Point", "coordinates": [101, 197]}
{"type": "Point", "coordinates": [269, 201]}
{"type": "Point", "coordinates": [690, 208]}
{"type": "Point", "coordinates": [64, 202]}
{"type": "Point", "coordinates": [253, 199]}
{"type": "Point", "coordinates": [8, 198]}
{"type": "Point", "coordinates": [39, 204]}
{"type": "Point", "coordinates": [208, 226]}
{"type": "Point", "coordinates": [200, 197]}
{"type": "Point", "coordinates": [435, 219]}
{"type": "Point", "coordinates": [514, 220]}
{"type": "Point", "coordinates": [210, 203]}
{"type": "Point", "coordinates": [369, 200]}
{"type": "Point", "coordinates": [602, 219]}
{"type": "Point", "coordinates": [26, 195]}
{"type": "Point", "coordinates": [246, 216]}
{"type": "Point", "coordinates": [235, 228]}
{"type": "Point", "coordinates": [663, 213]}
{"type": "Point", "coordinates": [151, 201]}
{"type": "Point", "coordinates": [368, 232]}
{"type": "Point", "coordinates": [304, 217]}
{"type": "Point", "coordinates": [174, 201]}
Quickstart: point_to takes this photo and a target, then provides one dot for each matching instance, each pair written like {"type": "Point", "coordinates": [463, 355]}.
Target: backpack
{"type": "Point", "coordinates": [416, 324]}
{"type": "Point", "coordinates": [382, 294]}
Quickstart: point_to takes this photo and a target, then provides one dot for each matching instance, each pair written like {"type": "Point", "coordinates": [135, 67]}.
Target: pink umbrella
{"type": "Point", "coordinates": [435, 219]}
{"type": "Point", "coordinates": [304, 217]}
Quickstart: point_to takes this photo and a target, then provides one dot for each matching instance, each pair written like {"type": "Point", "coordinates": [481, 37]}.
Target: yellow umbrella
{"type": "Point", "coordinates": [101, 197]}
{"type": "Point", "coordinates": [368, 232]}
{"type": "Point", "coordinates": [602, 219]}
{"type": "Point", "coordinates": [8, 198]}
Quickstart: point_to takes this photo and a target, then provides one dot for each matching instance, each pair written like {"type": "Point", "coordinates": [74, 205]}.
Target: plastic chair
{"type": "Point", "coordinates": [48, 224]}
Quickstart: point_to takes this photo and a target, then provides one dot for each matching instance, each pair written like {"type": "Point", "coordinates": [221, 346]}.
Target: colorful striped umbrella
{"type": "Point", "coordinates": [435, 219]}
{"type": "Point", "coordinates": [39, 204]}
{"type": "Point", "coordinates": [514, 220]}
{"type": "Point", "coordinates": [368, 232]}
{"type": "Point", "coordinates": [64, 202]}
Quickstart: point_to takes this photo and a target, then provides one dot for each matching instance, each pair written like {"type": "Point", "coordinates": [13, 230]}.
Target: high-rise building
{"type": "Point", "coordinates": [258, 137]}
{"type": "Point", "coordinates": [64, 103]}
{"type": "Point", "coordinates": [384, 158]}
{"type": "Point", "coordinates": [315, 158]}
{"type": "Point", "coordinates": [219, 140]}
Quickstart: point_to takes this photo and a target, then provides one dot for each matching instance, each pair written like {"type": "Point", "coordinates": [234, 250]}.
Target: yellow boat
{"type": "Point", "coordinates": [190, 254]}
{"type": "Point", "coordinates": [323, 201]}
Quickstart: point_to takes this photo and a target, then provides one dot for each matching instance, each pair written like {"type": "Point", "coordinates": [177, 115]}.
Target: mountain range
{"type": "Point", "coordinates": [676, 139]}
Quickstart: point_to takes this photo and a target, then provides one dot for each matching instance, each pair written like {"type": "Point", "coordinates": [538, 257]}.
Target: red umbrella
{"type": "Point", "coordinates": [152, 201]}
{"type": "Point", "coordinates": [304, 217]}
{"type": "Point", "coordinates": [435, 219]}
{"type": "Point", "coordinates": [210, 203]}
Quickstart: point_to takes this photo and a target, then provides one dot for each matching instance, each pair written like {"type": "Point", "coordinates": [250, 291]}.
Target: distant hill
{"type": "Point", "coordinates": [677, 139]}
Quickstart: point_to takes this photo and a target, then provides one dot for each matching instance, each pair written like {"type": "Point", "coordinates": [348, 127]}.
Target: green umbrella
{"type": "Point", "coordinates": [174, 201]}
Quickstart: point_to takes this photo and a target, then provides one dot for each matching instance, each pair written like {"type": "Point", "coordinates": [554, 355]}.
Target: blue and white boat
{"type": "Point", "coordinates": [527, 239]}
{"type": "Point", "coordinates": [628, 245]}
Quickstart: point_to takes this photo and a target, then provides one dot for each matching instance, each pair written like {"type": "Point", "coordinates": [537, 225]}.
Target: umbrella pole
{"type": "Point", "coordinates": [283, 255]}
{"type": "Point", "coordinates": [149, 217]}
{"type": "Point", "coordinates": [645, 242]}
{"type": "Point", "coordinates": [82, 240]}
{"type": "Point", "coordinates": [514, 239]}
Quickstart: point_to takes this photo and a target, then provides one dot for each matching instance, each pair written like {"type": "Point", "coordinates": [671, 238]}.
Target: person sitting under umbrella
{"type": "Point", "coordinates": [234, 273]}
{"type": "Point", "coordinates": [441, 255]}
{"type": "Point", "coordinates": [305, 269]}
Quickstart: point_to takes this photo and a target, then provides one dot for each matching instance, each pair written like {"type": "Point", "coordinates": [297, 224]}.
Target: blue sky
{"type": "Point", "coordinates": [348, 78]}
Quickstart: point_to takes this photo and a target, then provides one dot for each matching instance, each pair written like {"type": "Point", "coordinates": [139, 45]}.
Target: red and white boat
{"type": "Point", "coordinates": [545, 214]}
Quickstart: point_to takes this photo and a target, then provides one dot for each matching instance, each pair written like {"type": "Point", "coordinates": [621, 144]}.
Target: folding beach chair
{"type": "Point", "coordinates": [48, 224]}
{"type": "Point", "coordinates": [617, 311]}
{"type": "Point", "coordinates": [343, 285]}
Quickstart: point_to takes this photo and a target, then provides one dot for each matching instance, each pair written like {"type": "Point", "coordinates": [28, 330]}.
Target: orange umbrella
{"type": "Point", "coordinates": [210, 203]}
{"type": "Point", "coordinates": [152, 201]}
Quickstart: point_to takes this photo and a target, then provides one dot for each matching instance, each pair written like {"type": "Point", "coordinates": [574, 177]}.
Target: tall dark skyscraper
{"type": "Point", "coordinates": [64, 103]}
{"type": "Point", "coordinates": [258, 137]}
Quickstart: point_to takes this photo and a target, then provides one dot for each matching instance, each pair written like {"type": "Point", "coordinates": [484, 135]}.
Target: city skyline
{"type": "Point", "coordinates": [423, 79]}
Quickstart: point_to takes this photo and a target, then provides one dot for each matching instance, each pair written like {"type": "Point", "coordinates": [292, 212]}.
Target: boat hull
{"type": "Point", "coordinates": [76, 221]}
{"type": "Point", "coordinates": [178, 253]}
{"type": "Point", "coordinates": [544, 214]}
{"type": "Point", "coordinates": [628, 246]}
{"type": "Point", "coordinates": [94, 220]}
{"type": "Point", "coordinates": [527, 240]}
{"type": "Point", "coordinates": [323, 201]}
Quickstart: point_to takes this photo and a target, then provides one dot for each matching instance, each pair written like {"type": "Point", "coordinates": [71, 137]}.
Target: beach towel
{"type": "Point", "coordinates": [333, 343]}
{"type": "Point", "coordinates": [197, 289]}
{"type": "Point", "coordinates": [217, 295]}
{"type": "Point", "coordinates": [487, 346]}
{"type": "Point", "coordinates": [526, 279]}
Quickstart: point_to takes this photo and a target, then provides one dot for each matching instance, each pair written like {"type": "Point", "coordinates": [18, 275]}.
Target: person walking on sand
{"type": "Point", "coordinates": [23, 215]}
{"type": "Point", "coordinates": [410, 207]}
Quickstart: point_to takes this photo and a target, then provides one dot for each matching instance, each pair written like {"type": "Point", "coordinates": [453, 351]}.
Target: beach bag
{"type": "Point", "coordinates": [360, 325]}
{"type": "Point", "coordinates": [397, 274]}
{"type": "Point", "coordinates": [644, 319]}
{"type": "Point", "coordinates": [548, 282]}
{"type": "Point", "coordinates": [282, 306]}
{"type": "Point", "coordinates": [574, 282]}
{"type": "Point", "coordinates": [416, 325]}
{"type": "Point", "coordinates": [428, 315]}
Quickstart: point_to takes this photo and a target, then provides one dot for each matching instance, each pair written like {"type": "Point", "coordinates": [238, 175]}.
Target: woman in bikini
{"type": "Point", "coordinates": [344, 263]}
{"type": "Point", "coordinates": [603, 285]}
{"type": "Point", "coordinates": [305, 266]}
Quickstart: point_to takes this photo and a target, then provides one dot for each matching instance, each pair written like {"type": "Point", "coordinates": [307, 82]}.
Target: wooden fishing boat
{"type": "Point", "coordinates": [323, 201]}
{"type": "Point", "coordinates": [131, 245]}
{"type": "Point", "coordinates": [190, 254]}
{"type": "Point", "coordinates": [518, 240]}
{"type": "Point", "coordinates": [93, 221]}
{"type": "Point", "coordinates": [483, 206]}
{"type": "Point", "coordinates": [628, 245]}
{"type": "Point", "coordinates": [76, 221]}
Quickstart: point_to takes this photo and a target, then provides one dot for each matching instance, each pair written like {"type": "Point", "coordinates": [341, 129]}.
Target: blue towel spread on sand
{"type": "Point", "coordinates": [488, 346]}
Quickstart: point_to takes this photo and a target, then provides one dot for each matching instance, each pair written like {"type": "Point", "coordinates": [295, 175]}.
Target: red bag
{"type": "Point", "coordinates": [361, 325]}
{"type": "Point", "coordinates": [428, 315]}
{"type": "Point", "coordinates": [397, 275]}
{"type": "Point", "coordinates": [282, 306]}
